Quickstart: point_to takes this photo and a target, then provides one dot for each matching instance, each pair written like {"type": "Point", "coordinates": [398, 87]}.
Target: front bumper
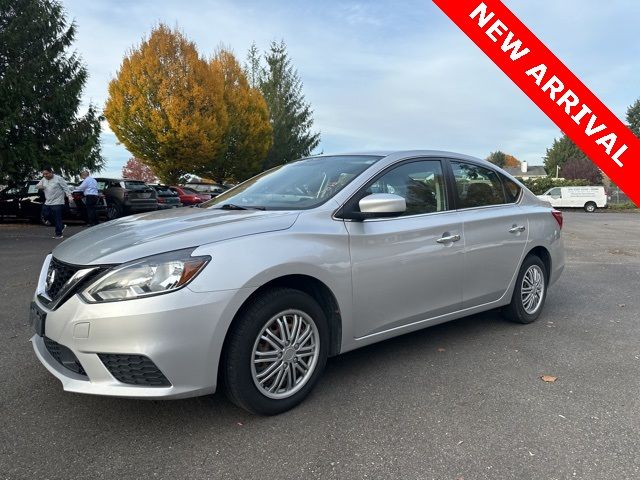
{"type": "Point", "coordinates": [181, 333]}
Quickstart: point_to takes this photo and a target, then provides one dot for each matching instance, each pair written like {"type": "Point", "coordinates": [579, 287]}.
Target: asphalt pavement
{"type": "Point", "coordinates": [462, 400]}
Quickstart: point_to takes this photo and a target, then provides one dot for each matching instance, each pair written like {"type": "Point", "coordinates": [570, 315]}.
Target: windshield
{"type": "Point", "coordinates": [296, 186]}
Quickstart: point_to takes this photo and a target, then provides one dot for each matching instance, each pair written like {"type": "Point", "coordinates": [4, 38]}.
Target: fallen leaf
{"type": "Point", "coordinates": [440, 350]}
{"type": "Point", "coordinates": [240, 424]}
{"type": "Point", "coordinates": [460, 442]}
{"type": "Point", "coordinates": [622, 305]}
{"type": "Point", "coordinates": [548, 378]}
{"type": "Point", "coordinates": [562, 416]}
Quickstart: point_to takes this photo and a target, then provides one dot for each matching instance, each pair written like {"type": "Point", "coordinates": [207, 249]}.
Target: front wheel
{"type": "Point", "coordinates": [590, 207]}
{"type": "Point", "coordinates": [276, 352]}
{"type": "Point", "coordinates": [530, 292]}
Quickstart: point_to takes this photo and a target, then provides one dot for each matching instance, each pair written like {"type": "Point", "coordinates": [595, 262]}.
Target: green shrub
{"type": "Point", "coordinates": [540, 185]}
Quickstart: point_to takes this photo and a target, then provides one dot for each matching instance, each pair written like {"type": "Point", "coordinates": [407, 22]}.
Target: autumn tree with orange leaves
{"type": "Point", "coordinates": [249, 135]}
{"type": "Point", "coordinates": [503, 160]}
{"type": "Point", "coordinates": [166, 105]}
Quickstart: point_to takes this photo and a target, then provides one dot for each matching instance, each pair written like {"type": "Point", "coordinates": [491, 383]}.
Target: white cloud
{"type": "Point", "coordinates": [386, 74]}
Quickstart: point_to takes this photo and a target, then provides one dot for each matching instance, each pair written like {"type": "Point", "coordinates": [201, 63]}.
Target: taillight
{"type": "Point", "coordinates": [161, 200]}
{"type": "Point", "coordinates": [557, 214]}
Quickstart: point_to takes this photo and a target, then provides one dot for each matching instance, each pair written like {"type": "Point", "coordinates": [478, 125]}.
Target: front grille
{"type": "Point", "coordinates": [134, 370]}
{"type": "Point", "coordinates": [58, 275]}
{"type": "Point", "coordinates": [64, 356]}
{"type": "Point", "coordinates": [60, 283]}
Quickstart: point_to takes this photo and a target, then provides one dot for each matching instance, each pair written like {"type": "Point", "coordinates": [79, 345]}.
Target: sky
{"type": "Point", "coordinates": [382, 74]}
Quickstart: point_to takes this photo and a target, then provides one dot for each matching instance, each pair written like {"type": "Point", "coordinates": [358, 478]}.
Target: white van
{"type": "Point", "coordinates": [588, 198]}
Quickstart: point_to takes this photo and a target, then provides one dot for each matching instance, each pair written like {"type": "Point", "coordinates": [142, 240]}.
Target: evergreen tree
{"type": "Point", "coordinates": [253, 67]}
{"type": "Point", "coordinates": [40, 88]}
{"type": "Point", "coordinates": [562, 150]}
{"type": "Point", "coordinates": [498, 158]}
{"type": "Point", "coordinates": [291, 117]}
{"type": "Point", "coordinates": [633, 118]}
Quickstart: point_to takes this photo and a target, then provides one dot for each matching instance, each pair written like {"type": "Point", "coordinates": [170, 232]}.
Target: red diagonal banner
{"type": "Point", "coordinates": [551, 85]}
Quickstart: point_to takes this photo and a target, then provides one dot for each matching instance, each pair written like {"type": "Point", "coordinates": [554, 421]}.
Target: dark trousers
{"type": "Point", "coordinates": [90, 202]}
{"type": "Point", "coordinates": [53, 213]}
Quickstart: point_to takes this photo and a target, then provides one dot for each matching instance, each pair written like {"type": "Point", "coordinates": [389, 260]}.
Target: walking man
{"type": "Point", "coordinates": [89, 187]}
{"type": "Point", "coordinates": [55, 189]}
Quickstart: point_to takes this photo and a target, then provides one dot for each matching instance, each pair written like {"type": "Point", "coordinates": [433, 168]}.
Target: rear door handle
{"type": "Point", "coordinates": [449, 239]}
{"type": "Point", "coordinates": [517, 229]}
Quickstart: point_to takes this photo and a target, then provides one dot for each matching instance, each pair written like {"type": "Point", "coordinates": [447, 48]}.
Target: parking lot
{"type": "Point", "coordinates": [463, 400]}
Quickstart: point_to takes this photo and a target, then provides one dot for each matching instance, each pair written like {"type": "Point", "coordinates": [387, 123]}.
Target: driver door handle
{"type": "Point", "coordinates": [451, 238]}
{"type": "Point", "coordinates": [517, 229]}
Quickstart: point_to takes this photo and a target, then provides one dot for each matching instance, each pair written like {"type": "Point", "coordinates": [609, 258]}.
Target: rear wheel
{"type": "Point", "coordinates": [276, 352]}
{"type": "Point", "coordinates": [590, 207]}
{"type": "Point", "coordinates": [114, 210]}
{"type": "Point", "coordinates": [530, 292]}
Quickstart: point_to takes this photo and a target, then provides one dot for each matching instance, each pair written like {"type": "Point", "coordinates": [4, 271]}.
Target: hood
{"type": "Point", "coordinates": [146, 234]}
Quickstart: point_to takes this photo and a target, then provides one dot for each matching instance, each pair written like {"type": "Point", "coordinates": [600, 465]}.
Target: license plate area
{"type": "Point", "coordinates": [37, 318]}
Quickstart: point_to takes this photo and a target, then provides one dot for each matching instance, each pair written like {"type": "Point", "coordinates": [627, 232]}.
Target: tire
{"type": "Point", "coordinates": [270, 386]}
{"type": "Point", "coordinates": [590, 207]}
{"type": "Point", "coordinates": [528, 309]}
{"type": "Point", "coordinates": [114, 210]}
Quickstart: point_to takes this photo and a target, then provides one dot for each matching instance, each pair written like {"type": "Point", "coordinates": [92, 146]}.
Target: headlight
{"type": "Point", "coordinates": [146, 277]}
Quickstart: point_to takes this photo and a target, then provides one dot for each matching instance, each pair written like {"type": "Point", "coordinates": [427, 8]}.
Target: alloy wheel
{"type": "Point", "coordinates": [532, 289]}
{"type": "Point", "coordinates": [285, 354]}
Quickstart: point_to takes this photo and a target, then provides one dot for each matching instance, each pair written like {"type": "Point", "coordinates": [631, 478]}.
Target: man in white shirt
{"type": "Point", "coordinates": [55, 189]}
{"type": "Point", "coordinates": [89, 187]}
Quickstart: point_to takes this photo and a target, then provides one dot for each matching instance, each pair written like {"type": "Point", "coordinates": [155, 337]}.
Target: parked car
{"type": "Point", "coordinates": [305, 261]}
{"type": "Point", "coordinates": [125, 196]}
{"type": "Point", "coordinates": [189, 196]}
{"type": "Point", "coordinates": [25, 201]}
{"type": "Point", "coordinates": [589, 198]}
{"type": "Point", "coordinates": [211, 189]}
{"type": "Point", "coordinates": [166, 197]}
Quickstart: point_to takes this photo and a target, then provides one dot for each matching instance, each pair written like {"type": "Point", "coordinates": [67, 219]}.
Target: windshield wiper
{"type": "Point", "coordinates": [231, 206]}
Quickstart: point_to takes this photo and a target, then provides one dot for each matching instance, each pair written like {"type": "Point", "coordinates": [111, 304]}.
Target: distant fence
{"type": "Point", "coordinates": [617, 196]}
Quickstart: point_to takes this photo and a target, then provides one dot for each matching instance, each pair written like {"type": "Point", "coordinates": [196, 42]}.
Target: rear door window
{"type": "Point", "coordinates": [477, 186]}
{"type": "Point", "coordinates": [511, 189]}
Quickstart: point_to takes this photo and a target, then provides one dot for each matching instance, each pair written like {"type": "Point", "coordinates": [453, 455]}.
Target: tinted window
{"type": "Point", "coordinates": [420, 183]}
{"type": "Point", "coordinates": [133, 185]}
{"type": "Point", "coordinates": [476, 186]}
{"type": "Point", "coordinates": [189, 191]}
{"type": "Point", "coordinates": [511, 189]}
{"type": "Point", "coordinates": [164, 191]}
{"type": "Point", "coordinates": [32, 189]}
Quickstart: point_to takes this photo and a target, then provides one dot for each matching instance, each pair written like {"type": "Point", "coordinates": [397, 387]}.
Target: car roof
{"type": "Point", "coordinates": [400, 154]}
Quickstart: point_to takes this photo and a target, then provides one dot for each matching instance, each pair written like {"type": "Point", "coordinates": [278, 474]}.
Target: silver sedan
{"type": "Point", "coordinates": [257, 287]}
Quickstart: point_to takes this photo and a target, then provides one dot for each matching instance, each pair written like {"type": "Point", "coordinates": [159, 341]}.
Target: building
{"type": "Point", "coordinates": [527, 172]}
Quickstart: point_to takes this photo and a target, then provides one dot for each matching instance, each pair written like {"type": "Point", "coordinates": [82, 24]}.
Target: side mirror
{"type": "Point", "coordinates": [378, 205]}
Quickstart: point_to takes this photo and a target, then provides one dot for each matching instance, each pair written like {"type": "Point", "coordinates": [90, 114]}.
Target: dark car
{"type": "Point", "coordinates": [25, 201]}
{"type": "Point", "coordinates": [211, 189]}
{"type": "Point", "coordinates": [166, 197]}
{"type": "Point", "coordinates": [125, 196]}
{"type": "Point", "coordinates": [189, 196]}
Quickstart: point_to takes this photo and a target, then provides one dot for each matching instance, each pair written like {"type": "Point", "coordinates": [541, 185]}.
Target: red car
{"type": "Point", "coordinates": [189, 196]}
